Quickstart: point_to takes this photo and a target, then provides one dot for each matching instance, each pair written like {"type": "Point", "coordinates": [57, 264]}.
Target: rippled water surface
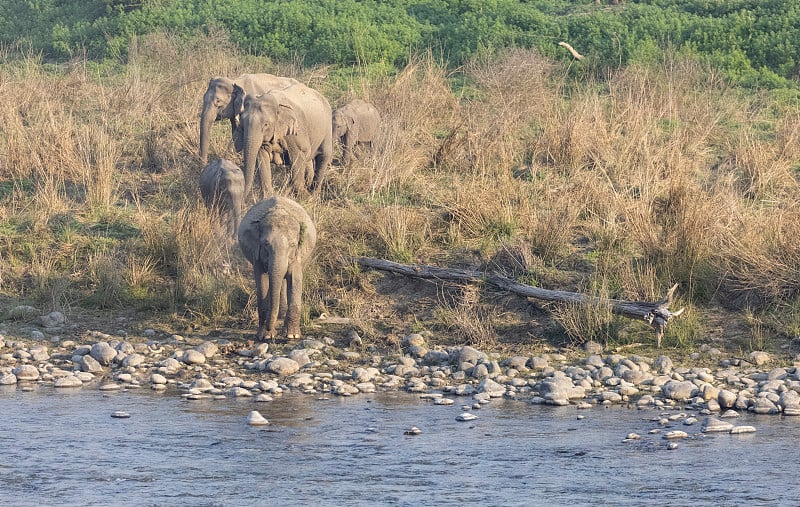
{"type": "Point", "coordinates": [64, 448]}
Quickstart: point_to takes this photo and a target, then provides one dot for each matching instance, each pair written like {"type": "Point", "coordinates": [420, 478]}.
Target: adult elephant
{"type": "Point", "coordinates": [278, 237]}
{"type": "Point", "coordinates": [357, 122]}
{"type": "Point", "coordinates": [293, 124]}
{"type": "Point", "coordinates": [219, 101]}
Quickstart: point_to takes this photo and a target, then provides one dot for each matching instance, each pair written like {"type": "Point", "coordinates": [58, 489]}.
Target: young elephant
{"type": "Point", "coordinates": [222, 187]}
{"type": "Point", "coordinates": [278, 237]}
{"type": "Point", "coordinates": [355, 123]}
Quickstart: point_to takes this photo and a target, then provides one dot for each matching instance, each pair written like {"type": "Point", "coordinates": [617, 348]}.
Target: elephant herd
{"type": "Point", "coordinates": [276, 120]}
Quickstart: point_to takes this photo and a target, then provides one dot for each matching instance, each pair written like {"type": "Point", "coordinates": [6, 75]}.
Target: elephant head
{"type": "Point", "coordinates": [217, 105]}
{"type": "Point", "coordinates": [266, 120]}
{"type": "Point", "coordinates": [278, 237]}
{"type": "Point", "coordinates": [342, 123]}
{"type": "Point", "coordinates": [222, 188]}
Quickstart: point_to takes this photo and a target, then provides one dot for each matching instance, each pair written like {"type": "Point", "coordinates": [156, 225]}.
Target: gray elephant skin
{"type": "Point", "coordinates": [355, 123]}
{"type": "Point", "coordinates": [293, 124]}
{"type": "Point", "coordinates": [222, 188]}
{"type": "Point", "coordinates": [218, 101]}
{"type": "Point", "coordinates": [278, 237]}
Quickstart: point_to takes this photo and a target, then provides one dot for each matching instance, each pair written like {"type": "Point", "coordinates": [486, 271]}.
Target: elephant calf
{"type": "Point", "coordinates": [278, 237]}
{"type": "Point", "coordinates": [355, 123]}
{"type": "Point", "coordinates": [222, 187]}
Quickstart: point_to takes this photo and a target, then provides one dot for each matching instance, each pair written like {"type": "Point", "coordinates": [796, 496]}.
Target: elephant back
{"type": "Point", "coordinates": [257, 84]}
{"type": "Point", "coordinates": [312, 102]}
{"type": "Point", "coordinates": [220, 176]}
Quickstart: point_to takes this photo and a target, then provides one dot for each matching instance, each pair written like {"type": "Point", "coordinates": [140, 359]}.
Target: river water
{"type": "Point", "coordinates": [62, 447]}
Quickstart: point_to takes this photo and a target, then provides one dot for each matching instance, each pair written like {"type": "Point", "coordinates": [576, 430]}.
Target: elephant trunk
{"type": "Point", "coordinates": [252, 145]}
{"type": "Point", "coordinates": [207, 119]}
{"type": "Point", "coordinates": [252, 141]}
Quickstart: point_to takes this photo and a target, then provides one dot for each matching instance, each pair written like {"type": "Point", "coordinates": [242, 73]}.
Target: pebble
{"type": "Point", "coordinates": [255, 418]}
{"type": "Point", "coordinates": [713, 425]}
{"type": "Point", "coordinates": [466, 416]}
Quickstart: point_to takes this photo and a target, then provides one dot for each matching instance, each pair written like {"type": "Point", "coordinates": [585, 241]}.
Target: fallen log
{"type": "Point", "coordinates": [655, 313]}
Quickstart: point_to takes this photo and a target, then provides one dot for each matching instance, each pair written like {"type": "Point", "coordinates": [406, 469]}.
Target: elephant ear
{"type": "Point", "coordinates": [237, 97]}
{"type": "Point", "coordinates": [249, 239]}
{"type": "Point", "coordinates": [287, 123]}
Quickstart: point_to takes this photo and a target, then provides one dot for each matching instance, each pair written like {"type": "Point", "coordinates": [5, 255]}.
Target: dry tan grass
{"type": "Point", "coordinates": [654, 176]}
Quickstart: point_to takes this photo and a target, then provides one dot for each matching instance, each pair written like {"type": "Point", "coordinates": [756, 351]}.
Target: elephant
{"type": "Point", "coordinates": [357, 122]}
{"type": "Point", "coordinates": [218, 101]}
{"type": "Point", "coordinates": [222, 188]}
{"type": "Point", "coordinates": [278, 237]}
{"type": "Point", "coordinates": [293, 125]}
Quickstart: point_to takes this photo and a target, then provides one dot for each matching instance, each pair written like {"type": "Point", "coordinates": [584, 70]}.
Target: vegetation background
{"type": "Point", "coordinates": [670, 154]}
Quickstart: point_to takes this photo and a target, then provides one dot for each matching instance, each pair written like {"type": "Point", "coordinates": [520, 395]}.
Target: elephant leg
{"type": "Point", "coordinates": [321, 163]}
{"type": "Point", "coordinates": [262, 296]}
{"type": "Point", "coordinates": [299, 176]}
{"type": "Point", "coordinates": [309, 173]}
{"type": "Point", "coordinates": [294, 286]}
{"type": "Point", "coordinates": [284, 305]}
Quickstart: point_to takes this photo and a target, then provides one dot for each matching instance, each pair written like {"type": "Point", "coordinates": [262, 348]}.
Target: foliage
{"type": "Point", "coordinates": [755, 42]}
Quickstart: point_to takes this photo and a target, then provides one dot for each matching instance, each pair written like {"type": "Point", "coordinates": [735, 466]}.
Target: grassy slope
{"type": "Point", "coordinates": [656, 176]}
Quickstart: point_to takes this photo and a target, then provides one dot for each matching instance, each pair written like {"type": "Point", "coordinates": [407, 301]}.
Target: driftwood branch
{"type": "Point", "coordinates": [574, 53]}
{"type": "Point", "coordinates": [656, 313]}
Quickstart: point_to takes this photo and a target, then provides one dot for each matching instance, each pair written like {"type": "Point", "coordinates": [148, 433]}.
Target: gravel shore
{"type": "Point", "coordinates": [221, 368]}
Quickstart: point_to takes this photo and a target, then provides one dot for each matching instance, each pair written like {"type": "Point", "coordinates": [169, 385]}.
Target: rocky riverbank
{"type": "Point", "coordinates": [221, 368]}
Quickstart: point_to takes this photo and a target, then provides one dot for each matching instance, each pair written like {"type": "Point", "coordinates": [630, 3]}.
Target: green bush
{"type": "Point", "coordinates": [754, 42]}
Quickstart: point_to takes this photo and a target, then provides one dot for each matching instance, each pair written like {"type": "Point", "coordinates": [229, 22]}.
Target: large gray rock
{"type": "Point", "coordinates": [133, 360]}
{"type": "Point", "coordinates": [282, 366]}
{"type": "Point", "coordinates": [636, 377]}
{"type": "Point", "coordinates": [726, 399]}
{"type": "Point", "coordinates": [595, 360]}
{"type": "Point", "coordinates": [559, 388]}
{"type": "Point", "coordinates": [39, 353]}
{"type": "Point", "coordinates": [89, 364]}
{"type": "Point", "coordinates": [763, 406]}
{"type": "Point", "coordinates": [470, 355]}
{"type": "Point", "coordinates": [208, 349]}
{"type": "Point", "coordinates": [678, 391]}
{"type": "Point", "coordinates": [103, 353]}
{"type": "Point", "coordinates": [300, 356]}
{"type": "Point", "coordinates": [758, 357]}
{"type": "Point", "coordinates": [26, 372]}
{"type": "Point", "coordinates": [192, 356]}
{"type": "Point", "coordinates": [171, 366]}
{"type": "Point", "coordinates": [712, 425]}
{"type": "Point", "coordinates": [67, 381]}
{"type": "Point", "coordinates": [491, 388]}
{"type": "Point", "coordinates": [365, 374]}
{"type": "Point", "coordinates": [663, 365]}
{"type": "Point", "coordinates": [538, 363]}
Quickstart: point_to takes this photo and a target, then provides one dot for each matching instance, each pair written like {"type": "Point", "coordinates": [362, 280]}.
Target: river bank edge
{"type": "Point", "coordinates": [221, 367]}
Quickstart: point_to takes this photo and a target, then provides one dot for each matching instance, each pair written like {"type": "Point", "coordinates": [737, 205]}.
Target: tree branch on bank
{"type": "Point", "coordinates": [655, 313]}
{"type": "Point", "coordinates": [572, 51]}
